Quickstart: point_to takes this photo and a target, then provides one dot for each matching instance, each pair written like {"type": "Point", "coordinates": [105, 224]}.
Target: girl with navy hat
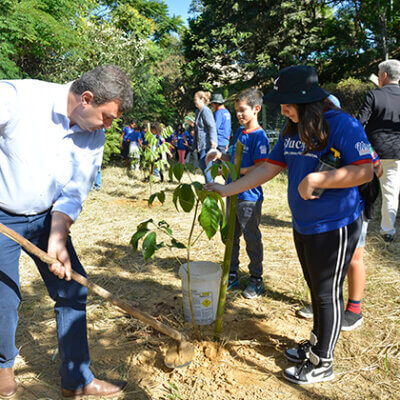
{"type": "Point", "coordinates": [326, 228]}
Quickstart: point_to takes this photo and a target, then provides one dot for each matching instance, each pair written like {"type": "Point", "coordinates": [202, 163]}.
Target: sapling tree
{"type": "Point", "coordinates": [208, 210]}
{"type": "Point", "coordinates": [153, 154]}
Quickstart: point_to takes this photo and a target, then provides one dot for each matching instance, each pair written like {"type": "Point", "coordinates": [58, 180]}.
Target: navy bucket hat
{"type": "Point", "coordinates": [297, 84]}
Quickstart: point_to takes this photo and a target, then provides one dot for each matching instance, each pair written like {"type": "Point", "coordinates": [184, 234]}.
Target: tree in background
{"type": "Point", "coordinates": [234, 44]}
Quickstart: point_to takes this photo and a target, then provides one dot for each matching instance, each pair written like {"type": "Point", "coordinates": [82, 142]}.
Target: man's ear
{"type": "Point", "coordinates": [257, 108]}
{"type": "Point", "coordinates": [87, 97]}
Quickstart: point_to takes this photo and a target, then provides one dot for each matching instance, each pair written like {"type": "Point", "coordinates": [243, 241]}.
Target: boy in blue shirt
{"type": "Point", "coordinates": [222, 122]}
{"type": "Point", "coordinates": [248, 213]}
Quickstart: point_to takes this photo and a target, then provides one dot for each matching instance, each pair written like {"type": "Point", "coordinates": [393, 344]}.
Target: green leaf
{"type": "Point", "coordinates": [210, 216]}
{"type": "Point", "coordinates": [149, 245]}
{"type": "Point", "coordinates": [151, 199]}
{"type": "Point", "coordinates": [178, 171]}
{"type": "Point", "coordinates": [171, 173]}
{"type": "Point", "coordinates": [214, 170]}
{"type": "Point", "coordinates": [161, 196]}
{"type": "Point", "coordinates": [165, 226]}
{"type": "Point", "coordinates": [186, 197]}
{"type": "Point", "coordinates": [190, 168]}
{"type": "Point", "coordinates": [136, 237]}
{"type": "Point", "coordinates": [143, 225]}
{"type": "Point", "coordinates": [232, 170]}
{"type": "Point", "coordinates": [197, 185]}
{"type": "Point", "coordinates": [178, 245]}
{"type": "Point", "coordinates": [225, 171]}
{"type": "Point", "coordinates": [176, 196]}
{"type": "Point", "coordinates": [224, 233]}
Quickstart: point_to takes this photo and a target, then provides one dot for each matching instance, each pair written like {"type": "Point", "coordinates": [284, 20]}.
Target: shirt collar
{"type": "Point", "coordinates": [61, 101]}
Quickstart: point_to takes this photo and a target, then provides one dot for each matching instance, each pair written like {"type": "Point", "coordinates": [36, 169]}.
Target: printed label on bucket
{"type": "Point", "coordinates": [202, 306]}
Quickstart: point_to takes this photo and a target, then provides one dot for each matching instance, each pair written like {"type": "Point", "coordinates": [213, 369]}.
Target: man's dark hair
{"type": "Point", "coordinates": [107, 83]}
{"type": "Point", "coordinates": [251, 96]}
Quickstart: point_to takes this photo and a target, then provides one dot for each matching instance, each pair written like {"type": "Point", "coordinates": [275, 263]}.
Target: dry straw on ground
{"type": "Point", "coordinates": [248, 363]}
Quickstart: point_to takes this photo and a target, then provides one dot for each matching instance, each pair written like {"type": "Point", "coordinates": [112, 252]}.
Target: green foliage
{"type": "Point", "coordinates": [351, 93]}
{"type": "Point", "coordinates": [154, 154]}
{"type": "Point", "coordinates": [188, 197]}
{"type": "Point", "coordinates": [112, 143]}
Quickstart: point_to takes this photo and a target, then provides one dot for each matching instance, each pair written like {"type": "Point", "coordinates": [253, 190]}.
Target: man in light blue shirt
{"type": "Point", "coordinates": [223, 122]}
{"type": "Point", "coordinates": [51, 146]}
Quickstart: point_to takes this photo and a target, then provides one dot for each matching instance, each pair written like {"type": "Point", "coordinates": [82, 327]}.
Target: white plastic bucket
{"type": "Point", "coordinates": [205, 279]}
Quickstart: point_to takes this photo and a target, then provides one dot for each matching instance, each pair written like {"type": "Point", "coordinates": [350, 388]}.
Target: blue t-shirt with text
{"type": "Point", "coordinates": [336, 207]}
{"type": "Point", "coordinates": [255, 149]}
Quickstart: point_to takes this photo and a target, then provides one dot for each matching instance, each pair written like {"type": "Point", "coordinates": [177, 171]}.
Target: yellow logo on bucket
{"type": "Point", "coordinates": [206, 303]}
{"type": "Point", "coordinates": [205, 294]}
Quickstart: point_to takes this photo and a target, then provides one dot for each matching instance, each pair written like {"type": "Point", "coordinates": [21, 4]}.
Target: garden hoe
{"type": "Point", "coordinates": [177, 356]}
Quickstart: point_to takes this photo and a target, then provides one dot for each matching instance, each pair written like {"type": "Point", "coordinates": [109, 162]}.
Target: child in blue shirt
{"type": "Point", "coordinates": [248, 213]}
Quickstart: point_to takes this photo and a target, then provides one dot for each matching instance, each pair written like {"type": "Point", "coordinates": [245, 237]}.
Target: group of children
{"type": "Point", "coordinates": [133, 141]}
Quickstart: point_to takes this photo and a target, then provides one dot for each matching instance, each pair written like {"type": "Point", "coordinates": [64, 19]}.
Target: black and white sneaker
{"type": "Point", "coordinates": [312, 370]}
{"type": "Point", "coordinates": [351, 320]}
{"type": "Point", "coordinates": [306, 312]}
{"type": "Point", "coordinates": [301, 352]}
{"type": "Point", "coordinates": [254, 288]}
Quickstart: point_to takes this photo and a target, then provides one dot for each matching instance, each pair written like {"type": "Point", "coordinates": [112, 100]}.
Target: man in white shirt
{"type": "Point", "coordinates": [51, 146]}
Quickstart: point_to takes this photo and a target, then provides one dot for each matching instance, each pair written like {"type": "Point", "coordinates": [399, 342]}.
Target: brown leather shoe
{"type": "Point", "coordinates": [95, 388]}
{"type": "Point", "coordinates": [8, 386]}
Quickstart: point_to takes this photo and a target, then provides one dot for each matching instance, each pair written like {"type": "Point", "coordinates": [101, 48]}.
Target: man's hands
{"type": "Point", "coordinates": [212, 155]}
{"type": "Point", "coordinates": [59, 231]}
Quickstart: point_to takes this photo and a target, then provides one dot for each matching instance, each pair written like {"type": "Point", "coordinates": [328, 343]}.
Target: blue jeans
{"type": "Point", "coordinates": [248, 218]}
{"type": "Point", "coordinates": [203, 166]}
{"type": "Point", "coordinates": [69, 297]}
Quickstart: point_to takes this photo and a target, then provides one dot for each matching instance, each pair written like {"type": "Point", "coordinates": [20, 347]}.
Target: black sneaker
{"type": "Point", "coordinates": [388, 238]}
{"type": "Point", "coordinates": [254, 288]}
{"type": "Point", "coordinates": [351, 320]}
{"type": "Point", "coordinates": [306, 312]}
{"type": "Point", "coordinates": [313, 370]}
{"type": "Point", "coordinates": [302, 351]}
{"type": "Point", "coordinates": [233, 281]}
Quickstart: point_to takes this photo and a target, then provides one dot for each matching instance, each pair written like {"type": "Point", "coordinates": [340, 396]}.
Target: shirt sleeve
{"type": "Point", "coordinates": [210, 123]}
{"type": "Point", "coordinates": [75, 192]}
{"type": "Point", "coordinates": [260, 147]}
{"type": "Point", "coordinates": [8, 98]}
{"type": "Point", "coordinates": [277, 156]}
{"type": "Point", "coordinates": [352, 143]}
{"type": "Point", "coordinates": [366, 109]}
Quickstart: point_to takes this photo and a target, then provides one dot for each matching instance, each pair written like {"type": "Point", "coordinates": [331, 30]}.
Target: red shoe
{"type": "Point", "coordinates": [95, 388]}
{"type": "Point", "coordinates": [8, 386]}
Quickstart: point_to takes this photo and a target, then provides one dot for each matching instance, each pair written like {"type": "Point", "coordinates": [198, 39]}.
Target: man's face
{"type": "Point", "coordinates": [93, 117]}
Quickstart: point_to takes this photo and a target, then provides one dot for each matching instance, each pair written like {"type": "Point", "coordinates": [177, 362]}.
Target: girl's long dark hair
{"type": "Point", "coordinates": [313, 128]}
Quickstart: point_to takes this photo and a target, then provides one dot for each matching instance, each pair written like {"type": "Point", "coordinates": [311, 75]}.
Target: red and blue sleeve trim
{"type": "Point", "coordinates": [364, 161]}
{"type": "Point", "coordinates": [282, 164]}
{"type": "Point", "coordinates": [260, 159]}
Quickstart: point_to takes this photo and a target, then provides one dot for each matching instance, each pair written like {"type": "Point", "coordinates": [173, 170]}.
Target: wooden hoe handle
{"type": "Point", "coordinates": [105, 294]}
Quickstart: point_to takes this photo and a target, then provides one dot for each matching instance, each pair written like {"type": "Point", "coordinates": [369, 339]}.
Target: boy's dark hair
{"type": "Point", "coordinates": [107, 83]}
{"type": "Point", "coordinates": [251, 96]}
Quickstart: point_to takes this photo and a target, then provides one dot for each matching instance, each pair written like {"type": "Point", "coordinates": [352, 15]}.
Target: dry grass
{"type": "Point", "coordinates": [248, 362]}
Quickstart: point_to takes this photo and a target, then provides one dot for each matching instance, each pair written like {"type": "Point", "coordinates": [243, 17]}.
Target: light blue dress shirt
{"type": "Point", "coordinates": [43, 162]}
